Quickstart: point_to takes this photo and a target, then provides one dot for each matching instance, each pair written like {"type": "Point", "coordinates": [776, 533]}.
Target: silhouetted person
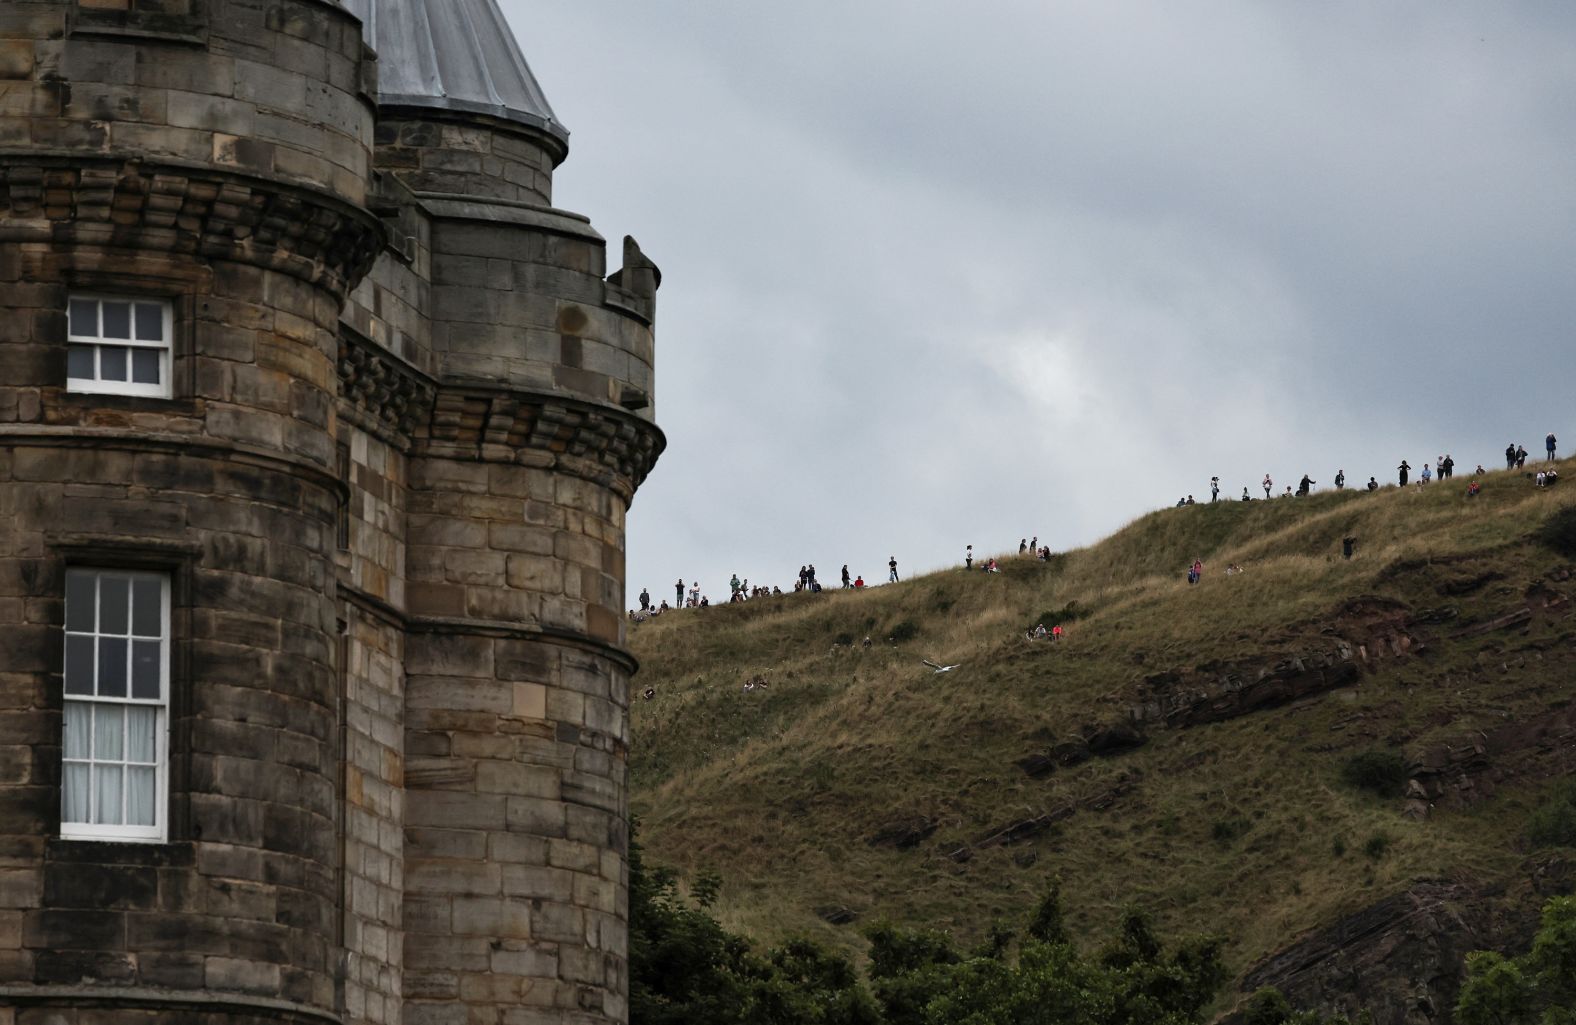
{"type": "Point", "coordinates": [1214, 488]}
{"type": "Point", "coordinates": [968, 557]}
{"type": "Point", "coordinates": [1521, 457]}
{"type": "Point", "coordinates": [1304, 485]}
{"type": "Point", "coordinates": [1340, 480]}
{"type": "Point", "coordinates": [678, 593]}
{"type": "Point", "coordinates": [1447, 469]}
{"type": "Point", "coordinates": [892, 565]}
{"type": "Point", "coordinates": [1403, 470]}
{"type": "Point", "coordinates": [645, 600]}
{"type": "Point", "coordinates": [846, 581]}
{"type": "Point", "coordinates": [1373, 485]}
{"type": "Point", "coordinates": [1549, 444]}
{"type": "Point", "coordinates": [1510, 457]}
{"type": "Point", "coordinates": [1347, 544]}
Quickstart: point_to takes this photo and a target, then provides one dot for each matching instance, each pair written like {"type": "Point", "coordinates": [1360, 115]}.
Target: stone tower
{"type": "Point", "coordinates": [318, 426]}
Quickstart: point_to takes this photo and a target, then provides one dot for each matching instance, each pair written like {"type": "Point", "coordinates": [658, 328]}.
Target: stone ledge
{"type": "Point", "coordinates": [515, 632]}
{"type": "Point", "coordinates": [192, 209]}
{"type": "Point", "coordinates": [381, 392]}
{"type": "Point", "coordinates": [140, 998]}
{"type": "Point", "coordinates": [32, 435]}
{"type": "Point", "coordinates": [599, 443]}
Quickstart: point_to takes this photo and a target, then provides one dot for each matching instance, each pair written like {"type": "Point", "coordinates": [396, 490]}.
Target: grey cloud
{"type": "Point", "coordinates": [940, 274]}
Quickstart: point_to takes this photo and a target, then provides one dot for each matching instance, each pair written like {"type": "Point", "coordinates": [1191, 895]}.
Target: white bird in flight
{"type": "Point", "coordinates": [939, 669]}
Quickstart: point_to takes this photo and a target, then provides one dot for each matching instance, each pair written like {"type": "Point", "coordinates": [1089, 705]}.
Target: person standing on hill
{"type": "Point", "coordinates": [1423, 477]}
{"type": "Point", "coordinates": [1447, 469]}
{"type": "Point", "coordinates": [1549, 443]}
{"type": "Point", "coordinates": [1510, 457]}
{"type": "Point", "coordinates": [892, 565]}
{"type": "Point", "coordinates": [968, 557]}
{"type": "Point", "coordinates": [733, 585]}
{"type": "Point", "coordinates": [1023, 545]}
{"type": "Point", "coordinates": [1214, 489]}
{"type": "Point", "coordinates": [846, 582]}
{"type": "Point", "coordinates": [645, 600]}
{"type": "Point", "coordinates": [1340, 480]}
{"type": "Point", "coordinates": [1403, 470]}
{"type": "Point", "coordinates": [678, 594]}
{"type": "Point", "coordinates": [1373, 485]}
{"type": "Point", "coordinates": [1521, 457]}
{"type": "Point", "coordinates": [1305, 485]}
{"type": "Point", "coordinates": [1034, 544]}
{"type": "Point", "coordinates": [1268, 485]}
{"type": "Point", "coordinates": [1439, 467]}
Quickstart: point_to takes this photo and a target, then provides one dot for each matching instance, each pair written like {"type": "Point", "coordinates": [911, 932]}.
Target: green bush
{"type": "Point", "coordinates": [1553, 824]}
{"type": "Point", "coordinates": [907, 630]}
{"type": "Point", "coordinates": [1382, 773]}
{"type": "Point", "coordinates": [1227, 831]}
{"type": "Point", "coordinates": [1068, 613]}
{"type": "Point", "coordinates": [1376, 846]}
{"type": "Point", "coordinates": [1559, 531]}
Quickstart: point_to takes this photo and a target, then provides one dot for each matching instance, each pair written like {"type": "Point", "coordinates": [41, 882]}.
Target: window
{"type": "Point", "coordinates": [116, 705]}
{"type": "Point", "coordinates": [118, 346]}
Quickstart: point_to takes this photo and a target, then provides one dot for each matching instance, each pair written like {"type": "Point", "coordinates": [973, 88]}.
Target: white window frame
{"type": "Point", "coordinates": [158, 831]}
{"type": "Point", "coordinates": [96, 385]}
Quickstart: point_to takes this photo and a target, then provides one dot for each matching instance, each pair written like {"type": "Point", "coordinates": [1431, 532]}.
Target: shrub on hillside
{"type": "Point", "coordinates": [1056, 617]}
{"type": "Point", "coordinates": [1559, 531]}
{"type": "Point", "coordinates": [907, 630]}
{"type": "Point", "coordinates": [1553, 824]}
{"type": "Point", "coordinates": [1382, 773]}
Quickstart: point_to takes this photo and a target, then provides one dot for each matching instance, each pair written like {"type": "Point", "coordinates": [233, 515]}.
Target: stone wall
{"type": "Point", "coordinates": [410, 409]}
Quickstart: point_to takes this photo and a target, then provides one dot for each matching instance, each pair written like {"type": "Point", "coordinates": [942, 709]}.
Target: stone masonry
{"type": "Point", "coordinates": [409, 410]}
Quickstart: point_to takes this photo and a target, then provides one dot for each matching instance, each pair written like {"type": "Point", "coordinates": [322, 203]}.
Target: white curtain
{"type": "Point", "coordinates": [109, 733]}
{"type": "Point", "coordinates": [106, 794]}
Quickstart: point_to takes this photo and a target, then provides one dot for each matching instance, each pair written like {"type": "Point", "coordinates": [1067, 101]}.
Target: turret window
{"type": "Point", "coordinates": [116, 708]}
{"type": "Point", "coordinates": [118, 346]}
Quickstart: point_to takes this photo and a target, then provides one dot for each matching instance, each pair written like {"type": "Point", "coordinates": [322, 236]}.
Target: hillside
{"type": "Point", "coordinates": [1182, 748]}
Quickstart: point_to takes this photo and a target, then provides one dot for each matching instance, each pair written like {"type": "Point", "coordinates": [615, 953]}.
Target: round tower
{"type": "Point", "coordinates": [182, 188]}
{"type": "Point", "coordinates": [517, 725]}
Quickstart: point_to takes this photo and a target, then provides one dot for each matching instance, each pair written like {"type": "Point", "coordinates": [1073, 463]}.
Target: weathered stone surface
{"type": "Point", "coordinates": [389, 489]}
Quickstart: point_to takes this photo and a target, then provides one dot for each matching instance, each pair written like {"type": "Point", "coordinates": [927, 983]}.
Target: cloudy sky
{"type": "Point", "coordinates": [944, 273]}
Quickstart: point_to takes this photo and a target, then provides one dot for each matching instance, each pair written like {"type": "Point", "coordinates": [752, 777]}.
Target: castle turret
{"type": "Point", "coordinates": [182, 188]}
{"type": "Point", "coordinates": [517, 686]}
{"type": "Point", "coordinates": [318, 427]}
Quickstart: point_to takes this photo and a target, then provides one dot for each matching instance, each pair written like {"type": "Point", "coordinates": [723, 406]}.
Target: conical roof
{"type": "Point", "coordinates": [453, 55]}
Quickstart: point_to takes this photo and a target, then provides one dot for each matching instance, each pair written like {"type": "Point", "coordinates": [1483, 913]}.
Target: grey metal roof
{"type": "Point", "coordinates": [453, 55]}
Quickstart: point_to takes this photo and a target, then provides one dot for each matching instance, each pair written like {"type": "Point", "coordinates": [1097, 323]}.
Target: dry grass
{"type": "Point", "coordinates": [1234, 826]}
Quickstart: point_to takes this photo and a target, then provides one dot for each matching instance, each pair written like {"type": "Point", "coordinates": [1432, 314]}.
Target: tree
{"type": "Point", "coordinates": [1538, 988]}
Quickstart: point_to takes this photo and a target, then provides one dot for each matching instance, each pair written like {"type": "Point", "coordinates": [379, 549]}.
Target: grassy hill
{"type": "Point", "coordinates": [859, 780]}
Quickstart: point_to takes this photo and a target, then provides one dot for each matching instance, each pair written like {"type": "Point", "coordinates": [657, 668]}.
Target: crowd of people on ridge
{"type": "Point", "coordinates": [1443, 469]}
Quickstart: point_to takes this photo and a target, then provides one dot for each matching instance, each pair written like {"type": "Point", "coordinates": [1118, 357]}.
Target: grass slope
{"type": "Point", "coordinates": [1242, 826]}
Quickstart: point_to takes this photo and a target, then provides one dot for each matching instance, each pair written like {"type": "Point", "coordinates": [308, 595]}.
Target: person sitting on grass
{"type": "Point", "coordinates": [1056, 632]}
{"type": "Point", "coordinates": [1245, 496]}
{"type": "Point", "coordinates": [1373, 485]}
{"type": "Point", "coordinates": [1551, 478]}
{"type": "Point", "coordinates": [859, 582]}
{"type": "Point", "coordinates": [1473, 489]}
{"type": "Point", "coordinates": [1424, 477]}
{"type": "Point", "coordinates": [1039, 633]}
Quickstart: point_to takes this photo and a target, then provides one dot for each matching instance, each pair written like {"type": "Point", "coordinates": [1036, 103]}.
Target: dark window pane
{"type": "Point", "coordinates": [117, 320]}
{"type": "Point", "coordinates": [112, 667]}
{"type": "Point", "coordinates": [79, 361]}
{"type": "Point", "coordinates": [79, 601]}
{"type": "Point", "coordinates": [79, 664]}
{"type": "Point", "coordinates": [146, 608]}
{"type": "Point", "coordinates": [84, 318]}
{"type": "Point", "coordinates": [150, 322]}
{"type": "Point", "coordinates": [114, 605]}
{"type": "Point", "coordinates": [112, 363]}
{"type": "Point", "coordinates": [145, 366]}
{"type": "Point", "coordinates": [145, 670]}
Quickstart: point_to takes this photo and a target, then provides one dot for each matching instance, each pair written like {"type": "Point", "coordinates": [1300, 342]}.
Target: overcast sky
{"type": "Point", "coordinates": [939, 274]}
